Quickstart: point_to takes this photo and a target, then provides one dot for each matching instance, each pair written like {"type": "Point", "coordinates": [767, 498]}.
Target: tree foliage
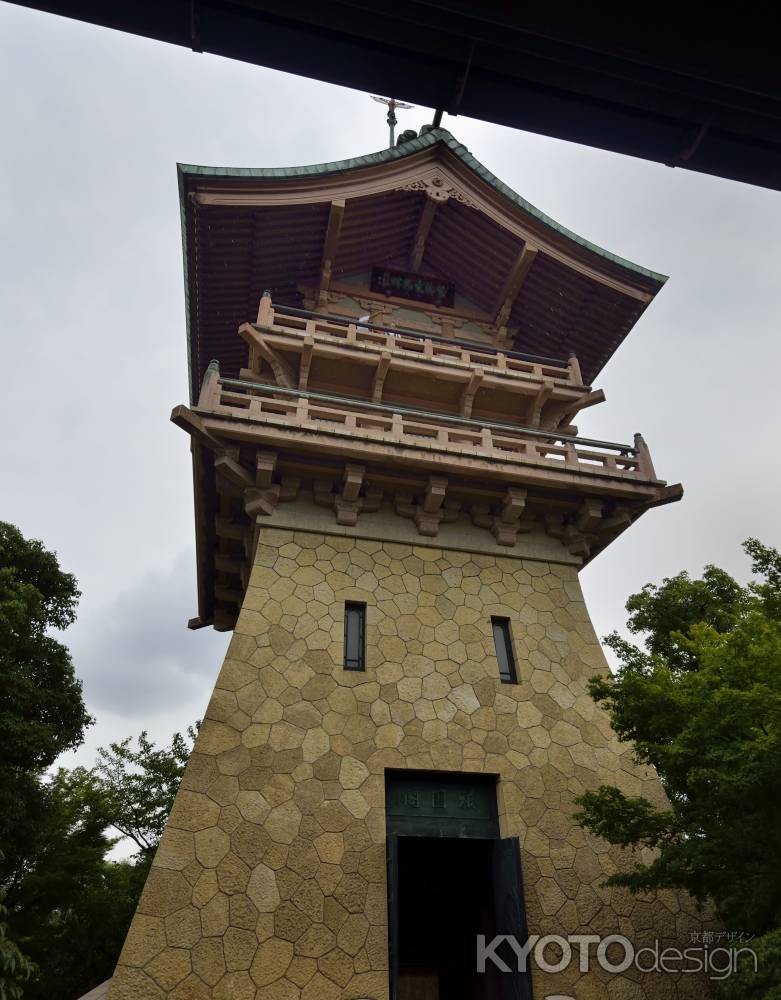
{"type": "Point", "coordinates": [64, 905]}
{"type": "Point", "coordinates": [702, 703]}
{"type": "Point", "coordinates": [71, 910]}
{"type": "Point", "coordinates": [15, 968]}
{"type": "Point", "coordinates": [138, 785]}
{"type": "Point", "coordinates": [42, 712]}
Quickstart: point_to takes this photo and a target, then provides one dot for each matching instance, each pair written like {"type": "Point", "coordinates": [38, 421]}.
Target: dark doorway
{"type": "Point", "coordinates": [445, 900]}
{"type": "Point", "coordinates": [451, 877]}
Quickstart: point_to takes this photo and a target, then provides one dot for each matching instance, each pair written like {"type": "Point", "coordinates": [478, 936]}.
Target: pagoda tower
{"type": "Point", "coordinates": [387, 358]}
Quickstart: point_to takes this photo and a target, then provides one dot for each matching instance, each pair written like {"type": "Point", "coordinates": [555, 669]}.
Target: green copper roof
{"type": "Point", "coordinates": [425, 141]}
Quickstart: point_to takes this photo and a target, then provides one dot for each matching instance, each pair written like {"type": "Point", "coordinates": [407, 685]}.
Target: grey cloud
{"type": "Point", "coordinates": [92, 329]}
{"type": "Point", "coordinates": [134, 652]}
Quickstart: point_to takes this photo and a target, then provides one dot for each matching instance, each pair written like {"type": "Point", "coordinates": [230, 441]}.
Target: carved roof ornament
{"type": "Point", "coordinates": [439, 188]}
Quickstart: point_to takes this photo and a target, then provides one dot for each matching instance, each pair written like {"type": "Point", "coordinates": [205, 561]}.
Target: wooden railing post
{"type": "Point", "coordinates": [265, 310]}
{"type": "Point", "coordinates": [574, 369]}
{"type": "Point", "coordinates": [644, 464]}
{"type": "Point", "coordinates": [209, 397]}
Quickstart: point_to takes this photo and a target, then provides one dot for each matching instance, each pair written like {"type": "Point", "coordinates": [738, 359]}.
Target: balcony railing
{"type": "Point", "coordinates": [299, 323]}
{"type": "Point", "coordinates": [390, 424]}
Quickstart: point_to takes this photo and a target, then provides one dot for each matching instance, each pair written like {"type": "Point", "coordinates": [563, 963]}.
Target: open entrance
{"type": "Point", "coordinates": [445, 901]}
{"type": "Point", "coordinates": [450, 878]}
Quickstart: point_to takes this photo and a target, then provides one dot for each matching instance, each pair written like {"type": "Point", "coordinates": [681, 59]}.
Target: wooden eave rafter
{"type": "Point", "coordinates": [513, 284]}
{"type": "Point", "coordinates": [421, 234]}
{"type": "Point", "coordinates": [333, 229]}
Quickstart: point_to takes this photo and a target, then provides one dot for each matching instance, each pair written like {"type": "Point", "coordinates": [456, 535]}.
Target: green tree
{"type": "Point", "coordinates": [64, 906]}
{"type": "Point", "coordinates": [15, 968]}
{"type": "Point", "coordinates": [72, 909]}
{"type": "Point", "coordinates": [702, 704]}
{"type": "Point", "coordinates": [138, 785]}
{"type": "Point", "coordinates": [42, 712]}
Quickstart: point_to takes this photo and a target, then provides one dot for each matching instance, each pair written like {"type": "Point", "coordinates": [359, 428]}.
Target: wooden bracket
{"type": "Point", "coordinates": [513, 283]}
{"type": "Point", "coordinates": [510, 519]}
{"type": "Point", "coordinates": [589, 515]}
{"type": "Point", "coordinates": [470, 391]}
{"type": "Point", "coordinates": [383, 365]}
{"type": "Point", "coordinates": [261, 503]}
{"type": "Point", "coordinates": [348, 503]}
{"type": "Point", "coordinates": [539, 401]}
{"type": "Point", "coordinates": [431, 510]}
{"type": "Point", "coordinates": [283, 373]}
{"type": "Point", "coordinates": [227, 465]}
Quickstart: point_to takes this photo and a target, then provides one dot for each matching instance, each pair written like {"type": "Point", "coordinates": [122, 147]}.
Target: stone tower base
{"type": "Point", "coordinates": [270, 882]}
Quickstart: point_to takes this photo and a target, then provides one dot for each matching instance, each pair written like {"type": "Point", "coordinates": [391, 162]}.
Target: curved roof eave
{"type": "Point", "coordinates": [425, 141]}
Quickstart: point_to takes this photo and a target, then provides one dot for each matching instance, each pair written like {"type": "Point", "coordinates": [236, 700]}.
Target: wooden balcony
{"type": "Point", "coordinates": [258, 447]}
{"type": "Point", "coordinates": [308, 351]}
{"type": "Point", "coordinates": [353, 429]}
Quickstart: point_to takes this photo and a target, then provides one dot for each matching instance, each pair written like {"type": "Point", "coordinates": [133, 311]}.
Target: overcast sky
{"type": "Point", "coordinates": [92, 328]}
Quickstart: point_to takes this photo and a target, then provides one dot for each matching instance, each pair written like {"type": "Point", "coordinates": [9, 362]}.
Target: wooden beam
{"type": "Point", "coordinates": [226, 528]}
{"type": "Point", "coordinates": [231, 595]}
{"type": "Point", "coordinates": [422, 233]}
{"type": "Point", "coordinates": [224, 564]}
{"type": "Point", "coordinates": [567, 414]}
{"type": "Point", "coordinates": [335, 217]}
{"type": "Point", "coordinates": [184, 417]}
{"type": "Point", "coordinates": [512, 284]}
{"type": "Point", "coordinates": [283, 373]}
{"type": "Point", "coordinates": [224, 621]}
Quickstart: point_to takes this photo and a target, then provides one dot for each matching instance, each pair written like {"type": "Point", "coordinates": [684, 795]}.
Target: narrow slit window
{"type": "Point", "coordinates": [354, 636]}
{"type": "Point", "coordinates": [504, 650]}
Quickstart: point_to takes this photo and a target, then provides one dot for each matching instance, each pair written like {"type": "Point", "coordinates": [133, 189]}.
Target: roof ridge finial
{"type": "Point", "coordinates": [393, 105]}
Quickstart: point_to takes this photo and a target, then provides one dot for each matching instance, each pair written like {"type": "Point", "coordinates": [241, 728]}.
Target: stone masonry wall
{"type": "Point", "coordinates": [270, 881]}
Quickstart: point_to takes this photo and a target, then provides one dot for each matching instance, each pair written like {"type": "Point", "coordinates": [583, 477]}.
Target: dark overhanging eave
{"type": "Point", "coordinates": [190, 176]}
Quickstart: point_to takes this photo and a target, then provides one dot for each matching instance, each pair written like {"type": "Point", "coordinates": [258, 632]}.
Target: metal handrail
{"type": "Point", "coordinates": [471, 345]}
{"type": "Point", "coordinates": [623, 449]}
